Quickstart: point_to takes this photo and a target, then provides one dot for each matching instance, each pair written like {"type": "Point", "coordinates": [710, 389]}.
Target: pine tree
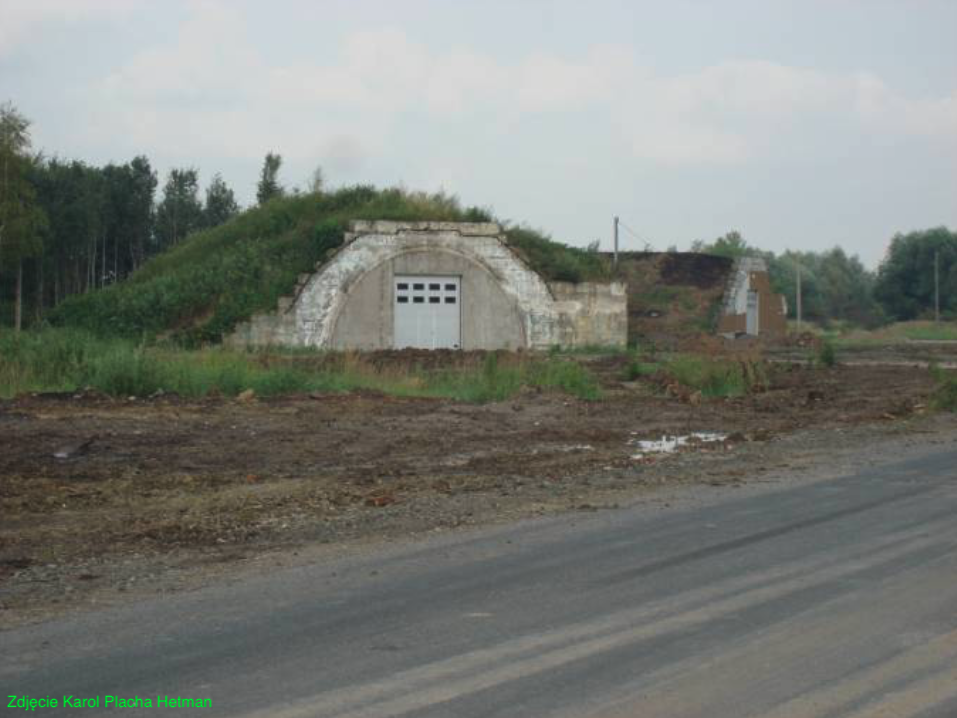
{"type": "Point", "coordinates": [269, 186]}
{"type": "Point", "coordinates": [221, 203]}
{"type": "Point", "coordinates": [180, 211]}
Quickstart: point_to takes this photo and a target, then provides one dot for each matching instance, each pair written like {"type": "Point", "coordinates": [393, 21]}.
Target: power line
{"type": "Point", "coordinates": [633, 233]}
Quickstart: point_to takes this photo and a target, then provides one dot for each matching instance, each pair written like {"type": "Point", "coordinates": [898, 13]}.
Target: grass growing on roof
{"type": "Point", "coordinates": [557, 261]}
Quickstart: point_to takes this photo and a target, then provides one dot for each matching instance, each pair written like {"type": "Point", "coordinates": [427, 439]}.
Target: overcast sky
{"type": "Point", "coordinates": [803, 124]}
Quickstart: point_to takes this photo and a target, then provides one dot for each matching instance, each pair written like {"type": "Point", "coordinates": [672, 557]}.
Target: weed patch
{"type": "Point", "coordinates": [500, 377]}
{"type": "Point", "coordinates": [718, 377]}
{"type": "Point", "coordinates": [929, 331]}
{"type": "Point", "coordinates": [827, 354]}
{"type": "Point", "coordinates": [638, 368]}
{"type": "Point", "coordinates": [898, 333]}
{"type": "Point", "coordinates": [945, 394]}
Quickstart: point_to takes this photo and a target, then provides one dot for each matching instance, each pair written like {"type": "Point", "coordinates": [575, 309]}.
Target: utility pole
{"type": "Point", "coordinates": [615, 261]}
{"type": "Point", "coordinates": [937, 286]}
{"type": "Point", "coordinates": [799, 295]}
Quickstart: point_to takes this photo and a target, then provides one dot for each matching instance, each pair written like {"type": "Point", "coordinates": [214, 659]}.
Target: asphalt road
{"type": "Point", "coordinates": [824, 599]}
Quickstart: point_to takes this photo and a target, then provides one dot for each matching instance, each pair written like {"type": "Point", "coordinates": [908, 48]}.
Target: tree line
{"type": "Point", "coordinates": [838, 287]}
{"type": "Point", "coordinates": [68, 227]}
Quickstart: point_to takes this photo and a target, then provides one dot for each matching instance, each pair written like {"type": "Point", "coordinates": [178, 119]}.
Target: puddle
{"type": "Point", "coordinates": [670, 444]}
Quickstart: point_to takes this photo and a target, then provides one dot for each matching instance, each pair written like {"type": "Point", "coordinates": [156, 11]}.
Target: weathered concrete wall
{"type": "Point", "coordinates": [591, 314]}
{"type": "Point", "coordinates": [268, 328]}
{"type": "Point", "coordinates": [348, 303]}
{"type": "Point", "coordinates": [490, 319]}
{"type": "Point", "coordinates": [751, 274]}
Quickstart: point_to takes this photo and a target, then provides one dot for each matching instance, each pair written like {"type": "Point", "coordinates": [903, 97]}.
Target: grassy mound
{"type": "Point", "coordinates": [198, 291]}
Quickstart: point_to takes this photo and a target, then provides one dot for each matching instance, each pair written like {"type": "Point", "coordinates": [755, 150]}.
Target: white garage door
{"type": "Point", "coordinates": [427, 312]}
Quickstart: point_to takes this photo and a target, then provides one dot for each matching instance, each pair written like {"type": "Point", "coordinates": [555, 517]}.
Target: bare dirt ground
{"type": "Point", "coordinates": [916, 353]}
{"type": "Point", "coordinates": [105, 499]}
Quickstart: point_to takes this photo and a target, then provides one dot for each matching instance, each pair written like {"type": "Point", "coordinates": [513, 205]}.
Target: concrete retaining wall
{"type": "Point", "coordinates": [591, 314]}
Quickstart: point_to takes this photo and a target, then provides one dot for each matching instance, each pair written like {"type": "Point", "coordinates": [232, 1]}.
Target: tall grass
{"type": "Point", "coordinates": [717, 376]}
{"type": "Point", "coordinates": [930, 331]}
{"type": "Point", "coordinates": [897, 333]}
{"type": "Point", "coordinates": [638, 368]}
{"type": "Point", "coordinates": [945, 394]}
{"type": "Point", "coordinates": [44, 361]}
{"type": "Point", "coordinates": [70, 360]}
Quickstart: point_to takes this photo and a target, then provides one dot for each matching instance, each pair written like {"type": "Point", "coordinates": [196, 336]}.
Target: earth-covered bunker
{"type": "Point", "coordinates": [437, 285]}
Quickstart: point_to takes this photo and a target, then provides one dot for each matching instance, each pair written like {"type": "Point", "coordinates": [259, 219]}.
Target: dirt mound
{"type": "Point", "coordinates": [672, 295]}
{"type": "Point", "coordinates": [704, 271]}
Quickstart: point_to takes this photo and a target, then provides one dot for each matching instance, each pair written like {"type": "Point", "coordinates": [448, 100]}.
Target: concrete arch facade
{"type": "Point", "coordinates": [348, 303]}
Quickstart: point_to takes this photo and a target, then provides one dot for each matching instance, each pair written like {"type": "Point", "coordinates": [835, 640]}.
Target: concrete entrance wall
{"type": "Point", "coordinates": [490, 317]}
{"type": "Point", "coordinates": [750, 305]}
{"type": "Point", "coordinates": [348, 302]}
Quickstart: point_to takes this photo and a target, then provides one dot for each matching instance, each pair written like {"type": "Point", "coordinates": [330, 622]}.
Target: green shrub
{"type": "Point", "coordinates": [945, 396]}
{"type": "Point", "coordinates": [708, 322]}
{"type": "Point", "coordinates": [638, 368]}
{"type": "Point", "coordinates": [827, 354]}
{"type": "Point", "coordinates": [658, 298]}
